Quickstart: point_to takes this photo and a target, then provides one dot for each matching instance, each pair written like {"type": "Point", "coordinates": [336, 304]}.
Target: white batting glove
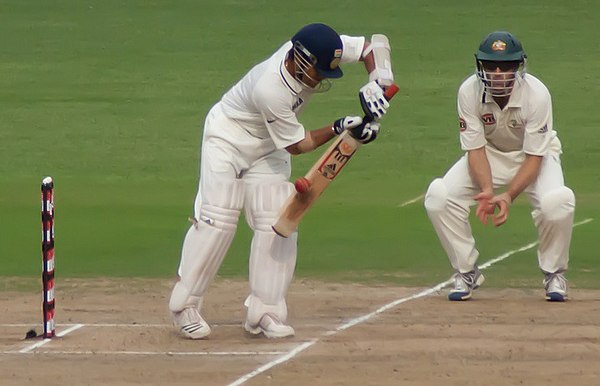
{"type": "Point", "coordinates": [373, 101]}
{"type": "Point", "coordinates": [367, 132]}
{"type": "Point", "coordinates": [345, 123]}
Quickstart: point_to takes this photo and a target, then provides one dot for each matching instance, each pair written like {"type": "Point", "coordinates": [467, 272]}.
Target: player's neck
{"type": "Point", "coordinates": [501, 101]}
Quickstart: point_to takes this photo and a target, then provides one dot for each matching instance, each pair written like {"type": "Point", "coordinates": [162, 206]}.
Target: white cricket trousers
{"type": "Point", "coordinates": [449, 199]}
{"type": "Point", "coordinates": [239, 171]}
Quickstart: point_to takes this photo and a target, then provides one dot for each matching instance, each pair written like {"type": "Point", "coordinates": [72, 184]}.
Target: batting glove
{"type": "Point", "coordinates": [345, 123]}
{"type": "Point", "coordinates": [366, 132]}
{"type": "Point", "coordinates": [373, 101]}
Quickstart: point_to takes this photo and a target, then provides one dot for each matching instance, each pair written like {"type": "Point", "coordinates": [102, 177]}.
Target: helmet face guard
{"type": "Point", "coordinates": [499, 78]}
{"type": "Point", "coordinates": [317, 50]}
{"type": "Point", "coordinates": [304, 61]}
{"type": "Point", "coordinates": [500, 62]}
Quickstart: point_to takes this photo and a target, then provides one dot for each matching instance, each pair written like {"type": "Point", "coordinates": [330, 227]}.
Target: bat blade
{"type": "Point", "coordinates": [320, 176]}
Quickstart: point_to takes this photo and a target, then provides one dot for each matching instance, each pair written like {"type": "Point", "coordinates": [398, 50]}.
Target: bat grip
{"type": "Point", "coordinates": [391, 91]}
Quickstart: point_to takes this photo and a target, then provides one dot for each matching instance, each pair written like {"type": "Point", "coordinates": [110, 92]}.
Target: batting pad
{"type": "Point", "coordinates": [272, 258]}
{"type": "Point", "coordinates": [205, 246]}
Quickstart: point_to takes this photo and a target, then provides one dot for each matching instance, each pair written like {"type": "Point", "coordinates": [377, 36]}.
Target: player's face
{"type": "Point", "coordinates": [499, 77]}
{"type": "Point", "coordinates": [312, 77]}
{"type": "Point", "coordinates": [305, 71]}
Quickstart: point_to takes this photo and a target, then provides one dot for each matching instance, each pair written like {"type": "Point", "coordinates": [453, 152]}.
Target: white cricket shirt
{"type": "Point", "coordinates": [268, 99]}
{"type": "Point", "coordinates": [525, 123]}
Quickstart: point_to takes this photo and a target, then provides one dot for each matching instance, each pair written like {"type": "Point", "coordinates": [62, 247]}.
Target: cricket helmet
{"type": "Point", "coordinates": [500, 46]}
{"type": "Point", "coordinates": [318, 45]}
{"type": "Point", "coordinates": [500, 62]}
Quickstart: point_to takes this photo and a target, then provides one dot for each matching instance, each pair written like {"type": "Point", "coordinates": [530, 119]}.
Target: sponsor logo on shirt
{"type": "Point", "coordinates": [297, 104]}
{"type": "Point", "coordinates": [488, 119]}
{"type": "Point", "coordinates": [543, 130]}
{"type": "Point", "coordinates": [462, 124]}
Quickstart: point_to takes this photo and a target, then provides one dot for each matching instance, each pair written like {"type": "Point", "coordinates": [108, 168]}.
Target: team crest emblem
{"type": "Point", "coordinates": [462, 124]}
{"type": "Point", "coordinates": [337, 56]}
{"type": "Point", "coordinates": [498, 45]}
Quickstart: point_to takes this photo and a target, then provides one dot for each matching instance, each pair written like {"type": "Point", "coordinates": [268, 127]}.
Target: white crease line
{"type": "Point", "coordinates": [131, 325]}
{"type": "Point", "coordinates": [88, 325]}
{"type": "Point", "coordinates": [47, 340]}
{"type": "Point", "coordinates": [171, 353]}
{"type": "Point", "coordinates": [380, 310]}
{"type": "Point", "coordinates": [274, 363]}
{"type": "Point", "coordinates": [411, 201]}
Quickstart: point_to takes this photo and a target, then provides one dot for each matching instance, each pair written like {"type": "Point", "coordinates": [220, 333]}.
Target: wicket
{"type": "Point", "coordinates": [48, 256]}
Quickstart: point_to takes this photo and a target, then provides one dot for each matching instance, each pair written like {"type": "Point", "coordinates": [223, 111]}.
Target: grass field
{"type": "Point", "coordinates": [108, 97]}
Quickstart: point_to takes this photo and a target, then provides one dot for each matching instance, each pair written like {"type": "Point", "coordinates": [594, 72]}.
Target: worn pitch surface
{"type": "Point", "coordinates": [501, 337]}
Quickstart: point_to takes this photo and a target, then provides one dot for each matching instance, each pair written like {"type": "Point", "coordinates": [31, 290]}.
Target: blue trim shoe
{"type": "Point", "coordinates": [556, 287]}
{"type": "Point", "coordinates": [464, 284]}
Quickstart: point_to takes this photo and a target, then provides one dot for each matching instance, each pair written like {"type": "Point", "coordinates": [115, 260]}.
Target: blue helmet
{"type": "Point", "coordinates": [319, 46]}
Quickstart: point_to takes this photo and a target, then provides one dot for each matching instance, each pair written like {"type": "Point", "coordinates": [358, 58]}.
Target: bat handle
{"type": "Point", "coordinates": [391, 91]}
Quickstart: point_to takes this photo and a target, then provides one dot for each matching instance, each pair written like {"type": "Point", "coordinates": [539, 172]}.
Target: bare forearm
{"type": "Point", "coordinates": [312, 140]}
{"type": "Point", "coordinates": [479, 168]}
{"type": "Point", "coordinates": [368, 60]}
{"type": "Point", "coordinates": [527, 173]}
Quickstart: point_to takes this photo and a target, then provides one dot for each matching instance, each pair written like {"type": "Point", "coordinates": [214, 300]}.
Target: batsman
{"type": "Point", "coordinates": [248, 139]}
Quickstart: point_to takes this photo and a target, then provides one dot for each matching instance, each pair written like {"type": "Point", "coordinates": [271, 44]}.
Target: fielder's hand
{"type": "Point", "coordinates": [345, 123]}
{"type": "Point", "coordinates": [487, 204]}
{"type": "Point", "coordinates": [373, 101]}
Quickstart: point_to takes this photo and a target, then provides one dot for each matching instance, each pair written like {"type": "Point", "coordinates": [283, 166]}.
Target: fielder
{"type": "Point", "coordinates": [505, 118]}
{"type": "Point", "coordinates": [248, 138]}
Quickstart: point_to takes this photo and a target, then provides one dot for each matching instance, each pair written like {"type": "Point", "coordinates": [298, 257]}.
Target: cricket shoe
{"type": "Point", "coordinates": [464, 284]}
{"type": "Point", "coordinates": [271, 326]}
{"type": "Point", "coordinates": [556, 287]}
{"type": "Point", "coordinates": [191, 324]}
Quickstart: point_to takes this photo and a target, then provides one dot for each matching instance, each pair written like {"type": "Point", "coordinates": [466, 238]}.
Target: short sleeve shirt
{"type": "Point", "coordinates": [268, 99]}
{"type": "Point", "coordinates": [525, 123]}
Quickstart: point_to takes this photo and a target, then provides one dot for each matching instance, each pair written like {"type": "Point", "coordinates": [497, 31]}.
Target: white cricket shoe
{"type": "Point", "coordinates": [191, 324]}
{"type": "Point", "coordinates": [271, 326]}
{"type": "Point", "coordinates": [556, 287]}
{"type": "Point", "coordinates": [464, 284]}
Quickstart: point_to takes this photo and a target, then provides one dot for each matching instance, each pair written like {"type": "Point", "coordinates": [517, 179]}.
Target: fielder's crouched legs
{"type": "Point", "coordinates": [554, 221]}
{"type": "Point", "coordinates": [272, 262]}
{"type": "Point", "coordinates": [449, 215]}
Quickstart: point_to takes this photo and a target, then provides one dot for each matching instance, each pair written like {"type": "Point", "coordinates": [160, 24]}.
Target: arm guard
{"type": "Point", "coordinates": [382, 74]}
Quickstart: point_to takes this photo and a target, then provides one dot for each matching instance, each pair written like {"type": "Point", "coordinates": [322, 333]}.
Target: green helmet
{"type": "Point", "coordinates": [500, 46]}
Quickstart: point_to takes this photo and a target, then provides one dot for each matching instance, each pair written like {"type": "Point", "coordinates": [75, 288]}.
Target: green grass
{"type": "Point", "coordinates": [109, 97]}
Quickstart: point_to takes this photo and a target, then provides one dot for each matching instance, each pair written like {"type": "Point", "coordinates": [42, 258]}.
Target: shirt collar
{"type": "Point", "coordinates": [515, 96]}
{"type": "Point", "coordinates": [288, 79]}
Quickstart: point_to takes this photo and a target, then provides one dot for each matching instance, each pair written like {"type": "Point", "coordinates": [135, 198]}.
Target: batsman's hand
{"type": "Point", "coordinates": [373, 101]}
{"type": "Point", "coordinates": [366, 132]}
{"type": "Point", "coordinates": [345, 123]}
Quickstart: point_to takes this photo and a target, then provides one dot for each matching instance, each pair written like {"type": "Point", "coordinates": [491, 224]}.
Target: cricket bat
{"type": "Point", "coordinates": [310, 187]}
